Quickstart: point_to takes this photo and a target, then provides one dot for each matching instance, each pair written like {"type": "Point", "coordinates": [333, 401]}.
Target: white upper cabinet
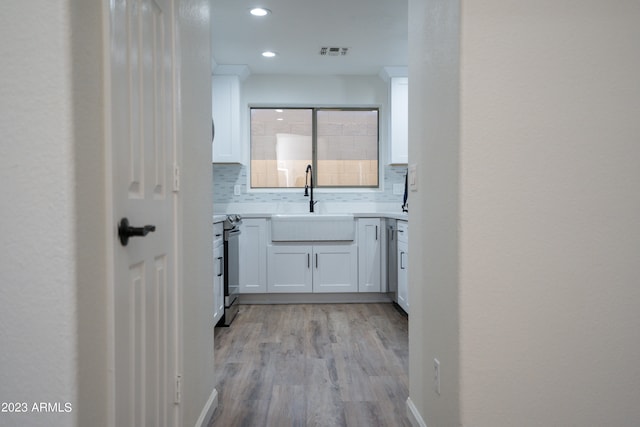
{"type": "Point", "coordinates": [399, 143]}
{"type": "Point", "coordinates": [225, 95]}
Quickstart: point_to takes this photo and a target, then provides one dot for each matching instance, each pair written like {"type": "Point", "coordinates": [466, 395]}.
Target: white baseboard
{"type": "Point", "coordinates": [207, 411]}
{"type": "Point", "coordinates": [414, 414]}
{"type": "Point", "coordinates": [311, 298]}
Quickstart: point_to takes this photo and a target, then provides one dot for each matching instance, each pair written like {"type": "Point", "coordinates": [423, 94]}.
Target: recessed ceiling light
{"type": "Point", "coordinates": [278, 111]}
{"type": "Point", "coordinates": [280, 118]}
{"type": "Point", "coordinates": [259, 11]}
{"type": "Point", "coordinates": [269, 54]}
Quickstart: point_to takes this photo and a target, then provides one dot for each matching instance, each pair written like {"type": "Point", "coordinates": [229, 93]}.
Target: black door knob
{"type": "Point", "coordinates": [125, 231]}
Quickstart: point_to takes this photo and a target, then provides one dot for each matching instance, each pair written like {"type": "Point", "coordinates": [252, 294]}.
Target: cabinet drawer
{"type": "Point", "coordinates": [217, 233]}
{"type": "Point", "coordinates": [403, 231]}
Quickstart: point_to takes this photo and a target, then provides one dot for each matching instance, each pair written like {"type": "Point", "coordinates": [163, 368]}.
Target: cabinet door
{"type": "Point", "coordinates": [218, 283]}
{"type": "Point", "coordinates": [369, 255]}
{"type": "Point", "coordinates": [392, 258]}
{"type": "Point", "coordinates": [253, 256]}
{"type": "Point", "coordinates": [335, 268]}
{"type": "Point", "coordinates": [290, 268]}
{"type": "Point", "coordinates": [403, 286]}
{"type": "Point", "coordinates": [220, 298]}
{"type": "Point", "coordinates": [399, 122]}
{"type": "Point", "coordinates": [225, 95]}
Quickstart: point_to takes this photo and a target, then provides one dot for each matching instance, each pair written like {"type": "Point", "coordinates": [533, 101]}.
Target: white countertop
{"type": "Point", "coordinates": [266, 210]}
{"type": "Point", "coordinates": [392, 215]}
{"type": "Point", "coordinates": [219, 218]}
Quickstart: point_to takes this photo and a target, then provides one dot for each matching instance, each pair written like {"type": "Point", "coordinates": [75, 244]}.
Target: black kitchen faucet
{"type": "Point", "coordinates": [308, 184]}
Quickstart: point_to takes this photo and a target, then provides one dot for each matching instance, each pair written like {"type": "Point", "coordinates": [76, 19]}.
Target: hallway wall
{"type": "Point", "coordinates": [56, 228]}
{"type": "Point", "coordinates": [197, 209]}
{"type": "Point", "coordinates": [434, 135]}
{"type": "Point", "coordinates": [550, 208]}
{"type": "Point", "coordinates": [38, 267]}
{"type": "Point", "coordinates": [539, 264]}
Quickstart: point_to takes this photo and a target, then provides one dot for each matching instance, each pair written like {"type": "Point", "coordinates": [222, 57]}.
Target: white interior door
{"type": "Point", "coordinates": [143, 153]}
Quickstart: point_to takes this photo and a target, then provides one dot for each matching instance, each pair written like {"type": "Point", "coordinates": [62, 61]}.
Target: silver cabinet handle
{"type": "Point", "coordinates": [308, 260]}
{"type": "Point", "coordinates": [402, 261]}
{"type": "Point", "coordinates": [221, 269]}
{"type": "Point", "coordinates": [376, 232]}
{"type": "Point", "coordinates": [316, 260]}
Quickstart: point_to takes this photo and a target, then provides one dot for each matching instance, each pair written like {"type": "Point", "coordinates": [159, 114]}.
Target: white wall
{"type": "Point", "coordinates": [548, 212]}
{"type": "Point", "coordinates": [434, 134]}
{"type": "Point", "coordinates": [91, 215]}
{"type": "Point", "coordinates": [197, 208]}
{"type": "Point", "coordinates": [550, 208]}
{"type": "Point", "coordinates": [53, 263]}
{"type": "Point", "coordinates": [37, 262]}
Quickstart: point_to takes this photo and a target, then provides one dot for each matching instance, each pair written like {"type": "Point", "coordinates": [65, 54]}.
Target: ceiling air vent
{"type": "Point", "coordinates": [333, 51]}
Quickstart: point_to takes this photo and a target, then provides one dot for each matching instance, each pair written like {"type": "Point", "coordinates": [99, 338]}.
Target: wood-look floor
{"type": "Point", "coordinates": [312, 365]}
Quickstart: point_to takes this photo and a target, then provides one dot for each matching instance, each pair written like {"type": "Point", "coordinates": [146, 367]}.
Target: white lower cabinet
{"type": "Point", "coordinates": [253, 256]}
{"type": "Point", "coordinates": [403, 265]}
{"type": "Point", "coordinates": [218, 274]}
{"type": "Point", "coordinates": [317, 267]}
{"type": "Point", "coordinates": [312, 268]}
{"type": "Point", "coordinates": [369, 255]}
{"type": "Point", "coordinates": [335, 268]}
{"type": "Point", "coordinates": [289, 269]}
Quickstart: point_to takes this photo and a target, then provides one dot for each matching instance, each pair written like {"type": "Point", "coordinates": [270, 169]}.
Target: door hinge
{"type": "Point", "coordinates": [176, 177]}
{"type": "Point", "coordinates": [178, 396]}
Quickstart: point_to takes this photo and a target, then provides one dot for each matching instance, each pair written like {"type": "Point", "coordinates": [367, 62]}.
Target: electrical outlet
{"type": "Point", "coordinates": [236, 190]}
{"type": "Point", "coordinates": [436, 375]}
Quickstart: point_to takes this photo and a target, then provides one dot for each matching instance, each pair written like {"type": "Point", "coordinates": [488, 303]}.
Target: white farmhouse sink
{"type": "Point", "coordinates": [312, 227]}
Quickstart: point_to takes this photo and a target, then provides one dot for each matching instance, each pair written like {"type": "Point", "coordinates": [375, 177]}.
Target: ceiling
{"type": "Point", "coordinates": [374, 31]}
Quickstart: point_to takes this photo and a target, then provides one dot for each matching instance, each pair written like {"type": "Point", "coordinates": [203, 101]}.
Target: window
{"type": "Point", "coordinates": [341, 144]}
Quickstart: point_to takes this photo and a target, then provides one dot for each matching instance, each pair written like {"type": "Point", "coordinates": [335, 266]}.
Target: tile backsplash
{"type": "Point", "coordinates": [227, 176]}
